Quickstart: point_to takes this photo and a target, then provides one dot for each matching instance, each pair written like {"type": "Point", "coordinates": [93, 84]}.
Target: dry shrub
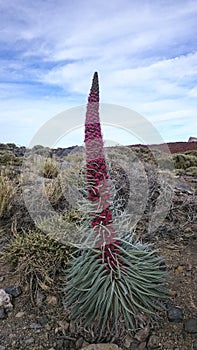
{"type": "Point", "coordinates": [38, 259]}
{"type": "Point", "coordinates": [7, 193]}
{"type": "Point", "coordinates": [53, 191]}
{"type": "Point", "coordinates": [51, 169]}
{"type": "Point", "coordinates": [77, 157]}
{"type": "Point", "coordinates": [64, 227]}
{"type": "Point", "coordinates": [9, 158]}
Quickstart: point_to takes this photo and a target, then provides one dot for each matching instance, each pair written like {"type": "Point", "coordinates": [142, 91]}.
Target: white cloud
{"type": "Point", "coordinates": [145, 53]}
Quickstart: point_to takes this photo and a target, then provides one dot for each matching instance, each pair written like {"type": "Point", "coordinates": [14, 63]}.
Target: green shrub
{"type": "Point", "coordinates": [11, 145]}
{"type": "Point", "coordinates": [191, 153]}
{"type": "Point", "coordinates": [3, 146]}
{"type": "Point", "coordinates": [144, 154]}
{"type": "Point", "coordinates": [184, 161]}
{"type": "Point", "coordinates": [179, 171]}
{"type": "Point", "coordinates": [191, 171]}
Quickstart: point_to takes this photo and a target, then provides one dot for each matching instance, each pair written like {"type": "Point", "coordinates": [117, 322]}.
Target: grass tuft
{"type": "Point", "coordinates": [50, 169]}
{"type": "Point", "coordinates": [37, 259]}
{"type": "Point", "coordinates": [7, 193]}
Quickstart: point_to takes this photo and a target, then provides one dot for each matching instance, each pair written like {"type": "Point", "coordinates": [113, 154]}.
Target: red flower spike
{"type": "Point", "coordinates": [97, 180]}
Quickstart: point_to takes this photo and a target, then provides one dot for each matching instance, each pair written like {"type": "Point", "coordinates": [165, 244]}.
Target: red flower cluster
{"type": "Point", "coordinates": [97, 180]}
{"type": "Point", "coordinates": [104, 218]}
{"type": "Point", "coordinates": [93, 132]}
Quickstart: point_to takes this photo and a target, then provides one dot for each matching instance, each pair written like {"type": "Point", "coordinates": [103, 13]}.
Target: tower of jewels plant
{"type": "Point", "coordinates": [116, 277]}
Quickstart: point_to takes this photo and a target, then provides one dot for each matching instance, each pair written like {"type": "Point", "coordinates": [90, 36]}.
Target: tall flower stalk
{"type": "Point", "coordinates": [97, 181]}
{"type": "Point", "coordinates": [116, 278]}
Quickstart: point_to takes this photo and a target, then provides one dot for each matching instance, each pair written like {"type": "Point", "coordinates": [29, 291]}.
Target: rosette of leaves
{"type": "Point", "coordinates": [99, 290]}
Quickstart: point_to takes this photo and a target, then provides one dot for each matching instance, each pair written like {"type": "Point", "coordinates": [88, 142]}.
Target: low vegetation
{"type": "Point", "coordinates": [7, 193]}
{"type": "Point", "coordinates": [185, 160]}
{"type": "Point", "coordinates": [9, 158]}
{"type": "Point", "coordinates": [50, 169]}
{"type": "Point", "coordinates": [53, 191]}
{"type": "Point", "coordinates": [38, 259]}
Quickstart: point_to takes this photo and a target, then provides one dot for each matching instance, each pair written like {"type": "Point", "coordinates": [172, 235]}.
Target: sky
{"type": "Point", "coordinates": [145, 53]}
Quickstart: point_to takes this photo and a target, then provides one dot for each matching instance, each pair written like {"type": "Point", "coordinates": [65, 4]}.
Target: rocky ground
{"type": "Point", "coordinates": [46, 324]}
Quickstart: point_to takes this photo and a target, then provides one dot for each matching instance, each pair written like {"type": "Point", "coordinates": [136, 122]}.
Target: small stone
{"type": "Point", "coordinates": [174, 314]}
{"type": "Point", "coordinates": [20, 314]}
{"type": "Point", "coordinates": [2, 347]}
{"type": "Point", "coordinates": [43, 320]}
{"type": "Point", "coordinates": [141, 346]}
{"type": "Point", "coordinates": [104, 346]}
{"type": "Point", "coordinates": [35, 325]}
{"type": "Point", "coordinates": [14, 291]}
{"type": "Point", "coordinates": [142, 334]}
{"type": "Point", "coordinates": [179, 269]}
{"type": "Point", "coordinates": [5, 300]}
{"type": "Point", "coordinates": [3, 314]}
{"type": "Point", "coordinates": [153, 342]}
{"type": "Point", "coordinates": [190, 325]}
{"type": "Point", "coordinates": [47, 327]}
{"type": "Point", "coordinates": [29, 341]}
{"type": "Point", "coordinates": [189, 267]}
{"type": "Point", "coordinates": [85, 344]}
{"type": "Point", "coordinates": [63, 326]}
{"type": "Point", "coordinates": [60, 344]}
{"type": "Point", "coordinates": [56, 330]}
{"type": "Point", "coordinates": [127, 341]}
{"type": "Point", "coordinates": [52, 300]}
{"type": "Point", "coordinates": [194, 345]}
{"type": "Point", "coordinates": [79, 343]}
{"type": "Point", "coordinates": [11, 335]}
{"type": "Point", "coordinates": [1, 278]}
{"type": "Point", "coordinates": [26, 288]}
{"type": "Point", "coordinates": [134, 345]}
{"type": "Point", "coordinates": [67, 344]}
{"type": "Point", "coordinates": [172, 293]}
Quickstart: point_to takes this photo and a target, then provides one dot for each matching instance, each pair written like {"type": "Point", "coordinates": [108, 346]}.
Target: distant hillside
{"type": "Point", "coordinates": [174, 147]}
